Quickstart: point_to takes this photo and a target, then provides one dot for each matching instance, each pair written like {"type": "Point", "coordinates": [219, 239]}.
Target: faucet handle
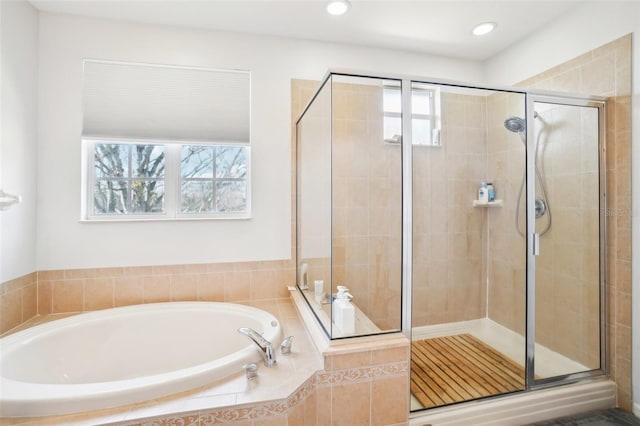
{"type": "Point", "coordinates": [285, 346]}
{"type": "Point", "coordinates": [251, 370]}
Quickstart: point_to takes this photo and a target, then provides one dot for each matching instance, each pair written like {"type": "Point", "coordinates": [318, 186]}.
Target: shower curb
{"type": "Point", "coordinates": [526, 407]}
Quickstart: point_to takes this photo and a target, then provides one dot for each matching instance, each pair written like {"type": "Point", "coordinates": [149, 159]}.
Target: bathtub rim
{"type": "Point", "coordinates": [60, 398]}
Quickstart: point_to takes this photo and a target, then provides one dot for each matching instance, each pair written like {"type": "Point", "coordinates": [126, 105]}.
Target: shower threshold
{"type": "Point", "coordinates": [523, 408]}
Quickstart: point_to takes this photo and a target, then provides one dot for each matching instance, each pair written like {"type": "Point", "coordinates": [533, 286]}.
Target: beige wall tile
{"type": "Point", "coordinates": [272, 421]}
{"type": "Point", "coordinates": [263, 285]}
{"type": "Point", "coordinates": [184, 287]}
{"type": "Point", "coordinates": [11, 306]}
{"type": "Point", "coordinates": [156, 289]}
{"type": "Point", "coordinates": [597, 76]}
{"type": "Point", "coordinates": [324, 407]}
{"type": "Point", "coordinates": [137, 271]}
{"type": "Point", "coordinates": [71, 274]}
{"type": "Point", "coordinates": [310, 410]}
{"type": "Point", "coordinates": [45, 297]}
{"type": "Point", "coordinates": [350, 360]}
{"type": "Point", "coordinates": [50, 275]}
{"type": "Point", "coordinates": [128, 290]}
{"type": "Point", "coordinates": [220, 267]}
{"type": "Point", "coordinates": [30, 301]}
{"type": "Point", "coordinates": [196, 268]}
{"type": "Point", "coordinates": [211, 287]}
{"type": "Point", "coordinates": [351, 404]}
{"type": "Point", "coordinates": [68, 295]}
{"type": "Point", "coordinates": [296, 415]}
{"type": "Point", "coordinates": [389, 401]}
{"type": "Point", "coordinates": [246, 266]}
{"type": "Point", "coordinates": [98, 293]}
{"type": "Point", "coordinates": [237, 286]}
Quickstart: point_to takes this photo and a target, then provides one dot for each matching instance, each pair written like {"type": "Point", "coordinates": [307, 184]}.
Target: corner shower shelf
{"type": "Point", "coordinates": [495, 203]}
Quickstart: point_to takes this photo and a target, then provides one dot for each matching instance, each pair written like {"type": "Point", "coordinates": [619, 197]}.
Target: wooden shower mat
{"type": "Point", "coordinates": [458, 368]}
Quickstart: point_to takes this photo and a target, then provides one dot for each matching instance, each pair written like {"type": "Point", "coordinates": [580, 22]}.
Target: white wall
{"type": "Point", "coordinates": [590, 26]}
{"type": "Point", "coordinates": [584, 28]}
{"type": "Point", "coordinates": [64, 242]}
{"type": "Point", "coordinates": [19, 60]}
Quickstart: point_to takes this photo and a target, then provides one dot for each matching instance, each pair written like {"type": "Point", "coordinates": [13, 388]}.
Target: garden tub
{"type": "Point", "coordinates": [125, 355]}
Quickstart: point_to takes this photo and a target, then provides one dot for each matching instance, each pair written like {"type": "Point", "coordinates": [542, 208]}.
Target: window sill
{"type": "Point", "coordinates": [163, 219]}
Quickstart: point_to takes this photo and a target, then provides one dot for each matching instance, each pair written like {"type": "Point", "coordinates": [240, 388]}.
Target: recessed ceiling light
{"type": "Point", "coordinates": [484, 28]}
{"type": "Point", "coordinates": [338, 7]}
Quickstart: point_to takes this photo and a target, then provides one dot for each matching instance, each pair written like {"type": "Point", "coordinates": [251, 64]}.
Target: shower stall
{"type": "Point", "coordinates": [495, 296]}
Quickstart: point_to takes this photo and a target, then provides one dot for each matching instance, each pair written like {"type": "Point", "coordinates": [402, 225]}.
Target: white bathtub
{"type": "Point", "coordinates": [120, 356]}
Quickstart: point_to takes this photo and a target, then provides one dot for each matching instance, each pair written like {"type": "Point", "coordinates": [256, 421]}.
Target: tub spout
{"type": "Point", "coordinates": [266, 348]}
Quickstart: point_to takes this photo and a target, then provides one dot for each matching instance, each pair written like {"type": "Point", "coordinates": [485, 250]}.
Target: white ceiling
{"type": "Point", "coordinates": [426, 26]}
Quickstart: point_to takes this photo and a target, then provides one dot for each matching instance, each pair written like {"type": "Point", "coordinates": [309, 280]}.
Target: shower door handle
{"type": "Point", "coordinates": [536, 244]}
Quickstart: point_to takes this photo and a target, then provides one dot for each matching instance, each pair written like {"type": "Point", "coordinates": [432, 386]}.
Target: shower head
{"type": "Point", "coordinates": [515, 124]}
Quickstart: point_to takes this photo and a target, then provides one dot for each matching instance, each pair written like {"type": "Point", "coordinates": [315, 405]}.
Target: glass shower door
{"type": "Point", "coordinates": [569, 223]}
{"type": "Point", "coordinates": [468, 300]}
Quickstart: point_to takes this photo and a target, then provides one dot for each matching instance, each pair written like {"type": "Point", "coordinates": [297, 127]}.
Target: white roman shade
{"type": "Point", "coordinates": [139, 101]}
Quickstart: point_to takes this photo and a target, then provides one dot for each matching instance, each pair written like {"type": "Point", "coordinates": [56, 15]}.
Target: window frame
{"type": "Point", "coordinates": [433, 118]}
{"type": "Point", "coordinates": [172, 183]}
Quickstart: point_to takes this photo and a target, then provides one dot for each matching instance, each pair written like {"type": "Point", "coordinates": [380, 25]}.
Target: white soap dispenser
{"type": "Point", "coordinates": [343, 311]}
{"type": "Point", "coordinates": [334, 304]}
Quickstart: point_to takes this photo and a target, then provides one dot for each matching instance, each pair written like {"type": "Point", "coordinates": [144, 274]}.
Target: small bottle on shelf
{"type": "Point", "coordinates": [491, 193]}
{"type": "Point", "coordinates": [483, 193]}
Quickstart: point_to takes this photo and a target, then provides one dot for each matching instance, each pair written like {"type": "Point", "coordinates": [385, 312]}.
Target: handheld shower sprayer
{"type": "Point", "coordinates": [519, 125]}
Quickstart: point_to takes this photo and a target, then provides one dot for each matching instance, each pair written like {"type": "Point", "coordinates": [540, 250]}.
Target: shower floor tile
{"type": "Point", "coordinates": [446, 370]}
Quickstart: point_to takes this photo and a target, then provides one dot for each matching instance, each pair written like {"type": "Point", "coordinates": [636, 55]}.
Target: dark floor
{"type": "Point", "coordinates": [611, 417]}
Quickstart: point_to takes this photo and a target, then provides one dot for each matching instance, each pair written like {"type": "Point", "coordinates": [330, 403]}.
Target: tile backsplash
{"type": "Point", "coordinates": [80, 290]}
{"type": "Point", "coordinates": [18, 301]}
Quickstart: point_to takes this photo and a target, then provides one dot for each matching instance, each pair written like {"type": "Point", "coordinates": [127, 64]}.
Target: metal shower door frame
{"type": "Point", "coordinates": [533, 242]}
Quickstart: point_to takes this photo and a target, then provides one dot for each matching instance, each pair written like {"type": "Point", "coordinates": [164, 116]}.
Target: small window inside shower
{"type": "Point", "coordinates": [425, 114]}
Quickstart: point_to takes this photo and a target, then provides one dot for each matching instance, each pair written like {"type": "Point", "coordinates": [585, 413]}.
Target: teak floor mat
{"type": "Point", "coordinates": [458, 368]}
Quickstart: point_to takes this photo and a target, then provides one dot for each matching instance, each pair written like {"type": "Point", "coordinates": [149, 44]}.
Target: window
{"type": "Point", "coordinates": [425, 106]}
{"type": "Point", "coordinates": [128, 179]}
{"type": "Point", "coordinates": [392, 105]}
{"type": "Point", "coordinates": [164, 142]}
{"type": "Point", "coordinates": [213, 179]}
{"type": "Point", "coordinates": [134, 180]}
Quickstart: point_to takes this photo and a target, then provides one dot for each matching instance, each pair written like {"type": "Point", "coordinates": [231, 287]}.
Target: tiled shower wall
{"type": "Point", "coordinates": [366, 203]}
{"type": "Point", "coordinates": [506, 300]}
{"type": "Point", "coordinates": [449, 234]}
{"type": "Point", "coordinates": [567, 269]}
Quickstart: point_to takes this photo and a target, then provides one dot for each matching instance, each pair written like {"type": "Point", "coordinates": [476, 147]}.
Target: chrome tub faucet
{"type": "Point", "coordinates": [266, 348]}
